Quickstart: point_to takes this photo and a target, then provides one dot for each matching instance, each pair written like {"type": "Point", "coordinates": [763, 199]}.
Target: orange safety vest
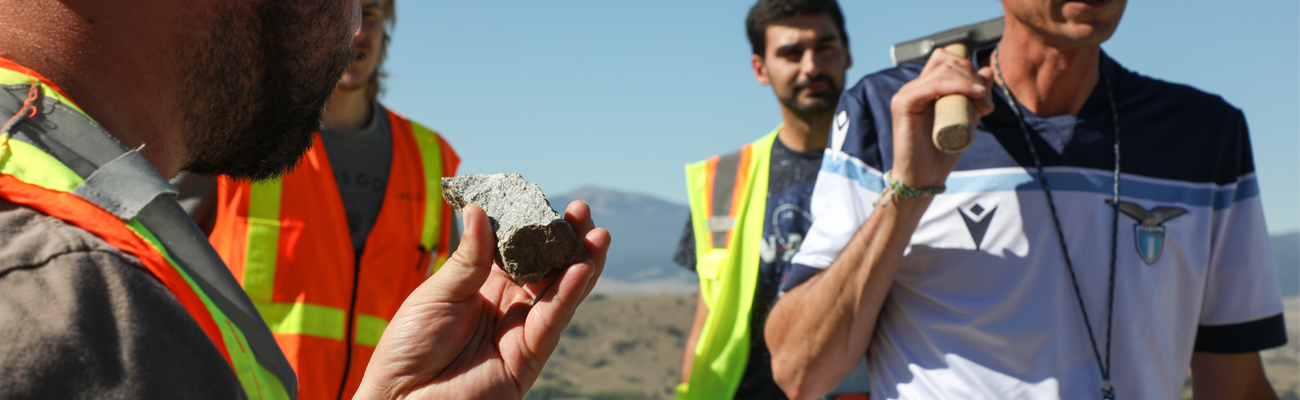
{"type": "Point", "coordinates": [31, 177]}
{"type": "Point", "coordinates": [287, 243]}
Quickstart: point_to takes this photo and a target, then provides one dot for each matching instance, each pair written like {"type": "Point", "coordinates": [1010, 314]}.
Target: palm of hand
{"type": "Point", "coordinates": [474, 334]}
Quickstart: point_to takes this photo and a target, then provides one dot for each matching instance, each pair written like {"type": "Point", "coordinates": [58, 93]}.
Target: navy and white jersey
{"type": "Point", "coordinates": [983, 306]}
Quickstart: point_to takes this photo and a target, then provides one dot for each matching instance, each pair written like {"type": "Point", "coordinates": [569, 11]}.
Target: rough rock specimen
{"type": "Point", "coordinates": [531, 237]}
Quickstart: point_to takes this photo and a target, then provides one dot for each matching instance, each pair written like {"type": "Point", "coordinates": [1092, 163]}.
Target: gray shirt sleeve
{"type": "Point", "coordinates": [83, 320]}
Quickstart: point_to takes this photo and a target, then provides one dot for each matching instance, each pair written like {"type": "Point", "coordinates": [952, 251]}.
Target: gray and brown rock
{"type": "Point", "coordinates": [532, 238]}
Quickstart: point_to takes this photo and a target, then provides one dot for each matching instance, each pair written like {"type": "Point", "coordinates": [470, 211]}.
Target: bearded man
{"type": "Point", "coordinates": [108, 289]}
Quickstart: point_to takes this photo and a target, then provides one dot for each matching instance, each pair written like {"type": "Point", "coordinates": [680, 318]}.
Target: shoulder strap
{"type": "Point", "coordinates": [123, 183]}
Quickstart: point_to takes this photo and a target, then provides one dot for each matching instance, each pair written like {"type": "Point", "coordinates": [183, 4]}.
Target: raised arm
{"type": "Point", "coordinates": [818, 332]}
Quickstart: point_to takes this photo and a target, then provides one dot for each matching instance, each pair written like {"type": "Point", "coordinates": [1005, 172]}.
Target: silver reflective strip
{"type": "Point", "coordinates": [84, 146]}
{"type": "Point", "coordinates": [724, 188]}
{"type": "Point", "coordinates": [724, 183]}
{"type": "Point", "coordinates": [124, 186]}
{"type": "Point", "coordinates": [721, 224]}
{"type": "Point", "coordinates": [720, 240]}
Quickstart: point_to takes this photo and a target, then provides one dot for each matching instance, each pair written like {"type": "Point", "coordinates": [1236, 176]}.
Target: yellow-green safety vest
{"type": "Point", "coordinates": [728, 204]}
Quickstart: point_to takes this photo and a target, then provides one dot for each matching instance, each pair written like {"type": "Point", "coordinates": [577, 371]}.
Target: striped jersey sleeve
{"type": "Point", "coordinates": [1241, 310]}
{"type": "Point", "coordinates": [849, 182]}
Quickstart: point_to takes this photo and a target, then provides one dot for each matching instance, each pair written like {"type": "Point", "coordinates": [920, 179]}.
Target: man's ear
{"type": "Point", "coordinates": [760, 69]}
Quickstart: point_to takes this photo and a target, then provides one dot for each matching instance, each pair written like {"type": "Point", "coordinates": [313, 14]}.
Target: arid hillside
{"type": "Point", "coordinates": [630, 348]}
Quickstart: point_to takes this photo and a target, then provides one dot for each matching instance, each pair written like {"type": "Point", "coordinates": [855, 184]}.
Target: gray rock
{"type": "Point", "coordinates": [531, 237]}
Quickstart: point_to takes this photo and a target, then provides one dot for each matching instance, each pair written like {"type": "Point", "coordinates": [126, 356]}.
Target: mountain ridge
{"type": "Point", "coordinates": [646, 229]}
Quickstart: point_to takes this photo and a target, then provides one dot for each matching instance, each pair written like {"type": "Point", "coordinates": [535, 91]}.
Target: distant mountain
{"type": "Point", "coordinates": [1286, 253]}
{"type": "Point", "coordinates": [645, 231]}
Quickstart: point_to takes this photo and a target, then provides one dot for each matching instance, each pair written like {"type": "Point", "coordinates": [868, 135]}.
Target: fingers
{"type": "Point", "coordinates": [985, 106]}
{"type": "Point", "coordinates": [578, 214]}
{"type": "Point", "coordinates": [596, 240]}
{"type": "Point", "coordinates": [944, 74]}
{"type": "Point", "coordinates": [466, 270]}
{"type": "Point", "coordinates": [553, 312]}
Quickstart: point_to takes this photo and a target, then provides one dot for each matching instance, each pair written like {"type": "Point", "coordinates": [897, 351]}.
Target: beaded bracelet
{"type": "Point", "coordinates": [895, 188]}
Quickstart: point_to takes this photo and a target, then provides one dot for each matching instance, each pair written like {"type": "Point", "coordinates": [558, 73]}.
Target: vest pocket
{"type": "Point", "coordinates": [710, 267]}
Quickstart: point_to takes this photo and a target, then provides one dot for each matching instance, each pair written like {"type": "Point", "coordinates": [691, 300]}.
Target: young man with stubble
{"type": "Point", "coordinates": [749, 209]}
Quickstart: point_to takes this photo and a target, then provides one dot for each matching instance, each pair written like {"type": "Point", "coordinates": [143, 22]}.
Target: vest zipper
{"type": "Point", "coordinates": [425, 258]}
{"type": "Point", "coordinates": [352, 309]}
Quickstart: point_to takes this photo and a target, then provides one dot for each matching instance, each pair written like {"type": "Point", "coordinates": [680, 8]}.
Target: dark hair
{"type": "Point", "coordinates": [375, 85]}
{"type": "Point", "coordinates": [768, 12]}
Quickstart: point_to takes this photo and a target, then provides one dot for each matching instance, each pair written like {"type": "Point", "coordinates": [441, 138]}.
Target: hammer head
{"type": "Point", "coordinates": [973, 36]}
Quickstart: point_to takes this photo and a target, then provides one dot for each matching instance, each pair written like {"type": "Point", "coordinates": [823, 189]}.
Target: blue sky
{"type": "Point", "coordinates": [622, 94]}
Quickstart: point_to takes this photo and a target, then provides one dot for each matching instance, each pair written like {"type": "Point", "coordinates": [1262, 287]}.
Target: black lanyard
{"type": "Point", "coordinates": [1107, 388]}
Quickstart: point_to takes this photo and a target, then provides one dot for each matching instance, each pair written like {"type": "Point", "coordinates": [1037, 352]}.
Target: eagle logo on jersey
{"type": "Point", "coordinates": [1148, 231]}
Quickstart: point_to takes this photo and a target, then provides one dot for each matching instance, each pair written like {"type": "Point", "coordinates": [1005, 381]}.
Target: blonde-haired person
{"type": "Point", "coordinates": [359, 224]}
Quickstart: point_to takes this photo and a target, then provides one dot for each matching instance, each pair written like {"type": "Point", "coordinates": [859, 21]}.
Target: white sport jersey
{"type": "Point", "coordinates": [983, 306]}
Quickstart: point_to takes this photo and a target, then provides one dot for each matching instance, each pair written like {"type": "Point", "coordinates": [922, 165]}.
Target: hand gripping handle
{"type": "Point", "coordinates": [953, 129]}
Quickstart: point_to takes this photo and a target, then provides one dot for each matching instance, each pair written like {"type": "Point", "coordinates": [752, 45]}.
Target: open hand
{"type": "Point", "coordinates": [468, 332]}
{"type": "Point", "coordinates": [917, 163]}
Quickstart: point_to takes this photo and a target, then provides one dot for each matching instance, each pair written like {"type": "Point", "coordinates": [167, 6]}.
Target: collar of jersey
{"type": "Point", "coordinates": [1095, 107]}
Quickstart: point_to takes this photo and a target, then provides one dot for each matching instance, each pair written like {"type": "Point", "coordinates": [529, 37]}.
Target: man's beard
{"type": "Point", "coordinates": [255, 88]}
{"type": "Point", "coordinates": [820, 103]}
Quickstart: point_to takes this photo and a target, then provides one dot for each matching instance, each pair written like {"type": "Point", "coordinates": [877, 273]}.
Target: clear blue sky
{"type": "Point", "coordinates": [622, 94]}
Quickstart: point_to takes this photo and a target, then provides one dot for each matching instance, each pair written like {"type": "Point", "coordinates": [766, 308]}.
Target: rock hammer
{"type": "Point", "coordinates": [953, 129]}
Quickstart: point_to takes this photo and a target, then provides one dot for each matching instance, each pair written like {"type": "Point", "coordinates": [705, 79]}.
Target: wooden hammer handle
{"type": "Point", "coordinates": [953, 129]}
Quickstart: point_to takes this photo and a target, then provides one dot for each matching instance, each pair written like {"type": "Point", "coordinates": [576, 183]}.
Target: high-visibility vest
{"type": "Point", "coordinates": [288, 244]}
{"type": "Point", "coordinates": [728, 205]}
{"type": "Point", "coordinates": [31, 177]}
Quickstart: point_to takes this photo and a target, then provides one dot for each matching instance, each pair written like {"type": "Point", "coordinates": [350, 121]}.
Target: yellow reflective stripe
{"type": "Point", "coordinates": [263, 246]}
{"type": "Point", "coordinates": [304, 319]}
{"type": "Point", "coordinates": [431, 158]}
{"type": "Point", "coordinates": [258, 382]}
{"type": "Point", "coordinates": [369, 329]}
{"type": "Point", "coordinates": [320, 321]}
{"type": "Point", "coordinates": [437, 265]}
{"type": "Point", "coordinates": [30, 164]}
{"type": "Point", "coordinates": [8, 77]}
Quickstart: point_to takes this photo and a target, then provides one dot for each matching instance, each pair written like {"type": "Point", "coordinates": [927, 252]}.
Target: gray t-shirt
{"type": "Point", "coordinates": [81, 319]}
{"type": "Point", "coordinates": [361, 159]}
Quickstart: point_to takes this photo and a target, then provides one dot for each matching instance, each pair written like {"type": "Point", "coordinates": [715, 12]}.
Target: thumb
{"type": "Point", "coordinates": [469, 267]}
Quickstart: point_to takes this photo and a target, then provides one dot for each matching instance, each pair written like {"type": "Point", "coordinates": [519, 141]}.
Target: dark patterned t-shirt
{"type": "Point", "coordinates": [791, 177]}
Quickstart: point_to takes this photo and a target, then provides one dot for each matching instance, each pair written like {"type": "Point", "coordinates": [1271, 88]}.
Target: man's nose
{"type": "Point", "coordinates": [809, 64]}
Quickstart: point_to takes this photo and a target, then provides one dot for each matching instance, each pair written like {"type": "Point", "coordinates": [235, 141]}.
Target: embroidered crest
{"type": "Point", "coordinates": [1148, 232]}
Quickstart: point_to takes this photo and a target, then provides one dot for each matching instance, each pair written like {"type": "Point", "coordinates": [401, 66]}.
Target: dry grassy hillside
{"type": "Point", "coordinates": [619, 348]}
{"type": "Point", "coordinates": [630, 348]}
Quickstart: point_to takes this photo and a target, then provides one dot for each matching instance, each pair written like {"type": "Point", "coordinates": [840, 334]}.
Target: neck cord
{"type": "Point", "coordinates": [1107, 388]}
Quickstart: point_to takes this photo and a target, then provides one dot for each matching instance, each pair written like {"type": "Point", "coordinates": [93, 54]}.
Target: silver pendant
{"type": "Point", "coordinates": [1107, 390]}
